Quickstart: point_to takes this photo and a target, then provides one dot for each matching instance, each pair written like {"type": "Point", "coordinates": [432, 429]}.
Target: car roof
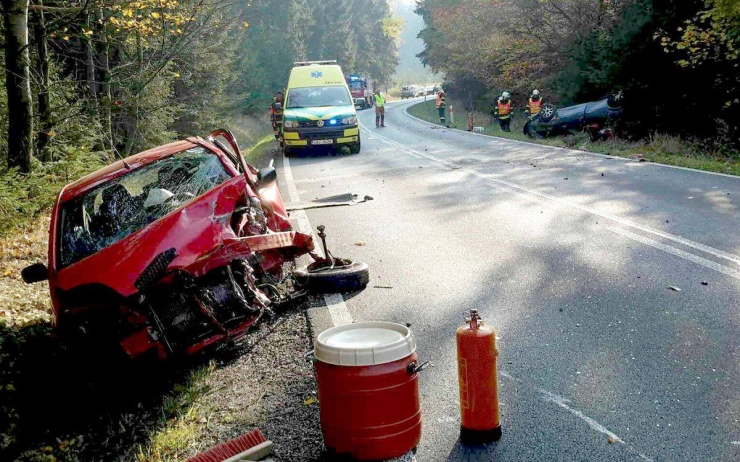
{"type": "Point", "coordinates": [315, 75]}
{"type": "Point", "coordinates": [123, 166]}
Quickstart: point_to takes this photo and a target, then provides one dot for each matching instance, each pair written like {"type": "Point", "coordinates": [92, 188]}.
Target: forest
{"type": "Point", "coordinates": [88, 82]}
{"type": "Point", "coordinates": [677, 61]}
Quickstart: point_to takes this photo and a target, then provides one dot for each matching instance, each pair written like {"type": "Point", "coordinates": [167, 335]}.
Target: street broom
{"type": "Point", "coordinates": [250, 446]}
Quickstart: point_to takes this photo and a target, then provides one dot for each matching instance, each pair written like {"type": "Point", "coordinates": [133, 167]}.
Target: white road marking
{"type": "Point", "coordinates": [623, 221]}
{"type": "Point", "coordinates": [334, 302]}
{"type": "Point", "coordinates": [563, 403]}
{"type": "Point", "coordinates": [337, 309]}
{"type": "Point", "coordinates": [679, 253]}
{"type": "Point", "coordinates": [572, 151]}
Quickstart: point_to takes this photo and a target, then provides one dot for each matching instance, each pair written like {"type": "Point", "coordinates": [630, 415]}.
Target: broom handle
{"type": "Point", "coordinates": [253, 453]}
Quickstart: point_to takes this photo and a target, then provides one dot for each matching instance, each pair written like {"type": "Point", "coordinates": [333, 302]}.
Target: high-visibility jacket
{"type": "Point", "coordinates": [379, 100]}
{"type": "Point", "coordinates": [504, 109]}
{"type": "Point", "coordinates": [535, 106]}
{"type": "Point", "coordinates": [440, 100]}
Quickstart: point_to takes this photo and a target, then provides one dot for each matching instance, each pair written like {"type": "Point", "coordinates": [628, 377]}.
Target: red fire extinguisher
{"type": "Point", "coordinates": [476, 366]}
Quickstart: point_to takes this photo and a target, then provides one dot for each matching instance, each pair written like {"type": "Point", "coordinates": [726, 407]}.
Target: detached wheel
{"type": "Point", "coordinates": [547, 113]}
{"type": "Point", "coordinates": [353, 275]}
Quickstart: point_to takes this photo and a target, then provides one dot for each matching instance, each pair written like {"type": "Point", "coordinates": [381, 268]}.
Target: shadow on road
{"type": "Point", "coordinates": [473, 453]}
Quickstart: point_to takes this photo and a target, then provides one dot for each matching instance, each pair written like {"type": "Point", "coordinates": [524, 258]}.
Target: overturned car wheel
{"type": "Point", "coordinates": [348, 277]}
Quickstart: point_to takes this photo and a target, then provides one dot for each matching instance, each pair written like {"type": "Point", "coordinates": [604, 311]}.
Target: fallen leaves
{"type": "Point", "coordinates": [23, 304]}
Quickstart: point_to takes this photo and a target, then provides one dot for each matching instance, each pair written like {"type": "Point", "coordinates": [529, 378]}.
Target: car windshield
{"type": "Point", "coordinates": [318, 97]}
{"type": "Point", "coordinates": [356, 84]}
{"type": "Point", "coordinates": [113, 211]}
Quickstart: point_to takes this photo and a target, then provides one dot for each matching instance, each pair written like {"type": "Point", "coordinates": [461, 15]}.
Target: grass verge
{"type": "Point", "coordinates": [662, 149]}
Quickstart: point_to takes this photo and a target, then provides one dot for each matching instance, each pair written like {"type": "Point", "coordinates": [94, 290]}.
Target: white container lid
{"type": "Point", "coordinates": [364, 344]}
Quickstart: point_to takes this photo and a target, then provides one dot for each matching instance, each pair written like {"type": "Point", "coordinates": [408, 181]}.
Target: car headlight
{"type": "Point", "coordinates": [349, 120]}
{"type": "Point", "coordinates": [290, 124]}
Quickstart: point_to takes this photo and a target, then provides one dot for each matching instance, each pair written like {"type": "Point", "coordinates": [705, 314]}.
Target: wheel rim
{"type": "Point", "coordinates": [548, 112]}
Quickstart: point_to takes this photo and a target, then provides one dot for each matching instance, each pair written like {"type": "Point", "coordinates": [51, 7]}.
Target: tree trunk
{"type": "Point", "coordinates": [44, 100]}
{"type": "Point", "coordinates": [106, 99]}
{"type": "Point", "coordinates": [18, 84]}
{"type": "Point", "coordinates": [92, 87]}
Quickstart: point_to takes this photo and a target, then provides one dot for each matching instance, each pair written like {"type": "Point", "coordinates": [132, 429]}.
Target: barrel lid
{"type": "Point", "coordinates": [364, 344]}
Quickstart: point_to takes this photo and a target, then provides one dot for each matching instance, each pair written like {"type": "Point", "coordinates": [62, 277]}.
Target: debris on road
{"type": "Point", "coordinates": [332, 201]}
{"type": "Point", "coordinates": [674, 288]}
{"type": "Point", "coordinates": [382, 287]}
{"type": "Point", "coordinates": [704, 283]}
{"type": "Point", "coordinates": [360, 243]}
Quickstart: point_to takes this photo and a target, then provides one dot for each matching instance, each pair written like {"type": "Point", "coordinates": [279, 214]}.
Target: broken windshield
{"type": "Point", "coordinates": [318, 97]}
{"type": "Point", "coordinates": [113, 211]}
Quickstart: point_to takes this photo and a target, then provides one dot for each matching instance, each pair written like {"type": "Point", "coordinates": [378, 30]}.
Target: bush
{"type": "Point", "coordinates": [24, 197]}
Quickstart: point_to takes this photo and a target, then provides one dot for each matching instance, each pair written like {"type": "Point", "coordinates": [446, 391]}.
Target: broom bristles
{"type": "Point", "coordinates": [231, 448]}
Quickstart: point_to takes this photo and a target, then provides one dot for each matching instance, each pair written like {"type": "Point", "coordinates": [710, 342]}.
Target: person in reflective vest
{"type": "Point", "coordinates": [534, 105]}
{"type": "Point", "coordinates": [503, 110]}
{"type": "Point", "coordinates": [441, 106]}
{"type": "Point", "coordinates": [276, 113]}
{"type": "Point", "coordinates": [379, 108]}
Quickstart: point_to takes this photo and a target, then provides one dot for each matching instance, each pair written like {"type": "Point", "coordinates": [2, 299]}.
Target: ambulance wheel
{"type": "Point", "coordinates": [287, 152]}
{"type": "Point", "coordinates": [354, 148]}
{"type": "Point", "coordinates": [351, 276]}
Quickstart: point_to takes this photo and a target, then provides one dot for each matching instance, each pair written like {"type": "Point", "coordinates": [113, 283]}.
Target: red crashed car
{"type": "Point", "coordinates": [174, 249]}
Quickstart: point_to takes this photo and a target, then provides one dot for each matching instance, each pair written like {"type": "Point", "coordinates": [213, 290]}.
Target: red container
{"type": "Point", "coordinates": [368, 390]}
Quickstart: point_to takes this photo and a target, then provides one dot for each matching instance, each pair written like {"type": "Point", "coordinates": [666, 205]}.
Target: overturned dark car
{"type": "Point", "coordinates": [175, 249]}
{"type": "Point", "coordinates": [595, 118]}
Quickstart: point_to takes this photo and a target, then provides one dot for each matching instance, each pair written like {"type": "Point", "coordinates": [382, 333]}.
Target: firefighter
{"type": "Point", "coordinates": [441, 106]}
{"type": "Point", "coordinates": [379, 100]}
{"type": "Point", "coordinates": [503, 111]}
{"type": "Point", "coordinates": [534, 104]}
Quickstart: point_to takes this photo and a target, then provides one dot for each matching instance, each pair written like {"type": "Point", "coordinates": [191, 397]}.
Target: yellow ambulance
{"type": "Point", "coordinates": [319, 109]}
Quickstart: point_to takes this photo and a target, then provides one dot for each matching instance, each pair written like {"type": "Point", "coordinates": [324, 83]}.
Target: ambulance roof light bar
{"type": "Point", "coordinates": [311, 63]}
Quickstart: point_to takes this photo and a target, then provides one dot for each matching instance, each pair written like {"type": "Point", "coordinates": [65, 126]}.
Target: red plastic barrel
{"type": "Point", "coordinates": [368, 390]}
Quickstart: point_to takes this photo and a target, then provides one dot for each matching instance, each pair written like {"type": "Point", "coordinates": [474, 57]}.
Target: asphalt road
{"type": "Point", "coordinates": [571, 257]}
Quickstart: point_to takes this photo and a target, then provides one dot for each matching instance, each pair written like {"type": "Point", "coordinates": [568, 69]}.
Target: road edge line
{"type": "Point", "coordinates": [336, 312]}
{"type": "Point", "coordinates": [572, 151]}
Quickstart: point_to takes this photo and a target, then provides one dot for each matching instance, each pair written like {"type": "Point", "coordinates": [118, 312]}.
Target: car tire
{"type": "Point", "coordinates": [354, 148]}
{"type": "Point", "coordinates": [615, 100]}
{"type": "Point", "coordinates": [353, 276]}
{"type": "Point", "coordinates": [548, 112]}
{"type": "Point", "coordinates": [288, 152]}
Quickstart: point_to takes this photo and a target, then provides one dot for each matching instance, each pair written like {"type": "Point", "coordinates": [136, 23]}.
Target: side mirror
{"type": "Point", "coordinates": [266, 176]}
{"type": "Point", "coordinates": [35, 273]}
{"type": "Point", "coordinates": [358, 106]}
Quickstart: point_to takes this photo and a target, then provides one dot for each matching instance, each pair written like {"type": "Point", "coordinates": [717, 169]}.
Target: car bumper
{"type": "Point", "coordinates": [305, 137]}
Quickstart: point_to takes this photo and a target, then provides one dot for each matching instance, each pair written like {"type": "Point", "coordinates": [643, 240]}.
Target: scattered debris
{"type": "Point", "coordinates": [674, 288]}
{"type": "Point", "coordinates": [332, 201]}
{"type": "Point", "coordinates": [704, 283]}
{"type": "Point", "coordinates": [360, 244]}
{"type": "Point", "coordinates": [602, 174]}
{"type": "Point", "coordinates": [309, 401]}
{"type": "Point", "coordinates": [612, 440]}
{"type": "Point", "coordinates": [382, 287]}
